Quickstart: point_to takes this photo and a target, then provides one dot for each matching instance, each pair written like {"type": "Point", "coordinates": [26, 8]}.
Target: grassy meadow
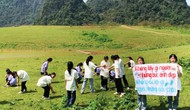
{"type": "Point", "coordinates": [27, 47]}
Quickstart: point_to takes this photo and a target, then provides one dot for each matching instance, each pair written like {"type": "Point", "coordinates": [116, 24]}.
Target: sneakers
{"type": "Point", "coordinates": [170, 109]}
{"type": "Point", "coordinates": [116, 93]}
{"type": "Point", "coordinates": [102, 88]}
{"type": "Point", "coordinates": [128, 88]}
{"type": "Point", "coordinates": [174, 109]}
{"type": "Point", "coordinates": [45, 98]}
{"type": "Point", "coordinates": [20, 92]}
{"type": "Point", "coordinates": [122, 94]}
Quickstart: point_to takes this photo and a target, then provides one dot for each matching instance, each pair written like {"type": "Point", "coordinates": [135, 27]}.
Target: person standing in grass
{"type": "Point", "coordinates": [104, 73]}
{"type": "Point", "coordinates": [130, 63]}
{"type": "Point", "coordinates": [89, 68]}
{"type": "Point", "coordinates": [24, 77]}
{"type": "Point", "coordinates": [44, 66]}
{"type": "Point", "coordinates": [122, 67]}
{"type": "Point", "coordinates": [45, 83]}
{"type": "Point", "coordinates": [118, 76]}
{"type": "Point", "coordinates": [141, 99]}
{"type": "Point", "coordinates": [173, 104]}
{"type": "Point", "coordinates": [71, 77]}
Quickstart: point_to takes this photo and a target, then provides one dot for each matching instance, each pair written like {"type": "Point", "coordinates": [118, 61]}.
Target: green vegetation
{"type": "Point", "coordinates": [76, 12]}
{"type": "Point", "coordinates": [19, 12]}
{"type": "Point", "coordinates": [26, 47]}
{"type": "Point", "coordinates": [66, 12]}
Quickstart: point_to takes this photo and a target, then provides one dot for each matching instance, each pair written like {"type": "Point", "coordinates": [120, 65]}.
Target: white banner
{"type": "Point", "coordinates": [156, 79]}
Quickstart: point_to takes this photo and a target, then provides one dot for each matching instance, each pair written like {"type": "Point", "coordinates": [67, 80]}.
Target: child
{"type": "Point", "coordinates": [122, 67]}
{"type": "Point", "coordinates": [97, 70]}
{"type": "Point", "coordinates": [12, 81]}
{"type": "Point", "coordinates": [118, 76]}
{"type": "Point", "coordinates": [79, 71]}
{"type": "Point", "coordinates": [130, 63]}
{"type": "Point", "coordinates": [104, 73]}
{"type": "Point", "coordinates": [173, 104]}
{"type": "Point", "coordinates": [71, 77]}
{"type": "Point", "coordinates": [44, 67]}
{"type": "Point", "coordinates": [89, 67]}
{"type": "Point", "coordinates": [45, 83]}
{"type": "Point", "coordinates": [112, 75]}
{"type": "Point", "coordinates": [141, 99]}
{"type": "Point", "coordinates": [23, 75]}
{"type": "Point", "coordinates": [8, 72]}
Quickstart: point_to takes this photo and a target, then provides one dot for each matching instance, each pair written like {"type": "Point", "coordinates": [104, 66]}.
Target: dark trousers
{"type": "Point", "coordinates": [71, 97]}
{"type": "Point", "coordinates": [119, 85]}
{"type": "Point", "coordinates": [23, 86]}
{"type": "Point", "coordinates": [175, 103]}
{"type": "Point", "coordinates": [44, 73]}
{"type": "Point", "coordinates": [104, 82]}
{"type": "Point", "coordinates": [125, 81]}
{"type": "Point", "coordinates": [46, 91]}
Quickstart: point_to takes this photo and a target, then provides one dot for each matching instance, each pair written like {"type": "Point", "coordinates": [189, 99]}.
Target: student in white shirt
{"type": "Point", "coordinates": [71, 77]}
{"type": "Point", "coordinates": [44, 66]}
{"type": "Point", "coordinates": [141, 99]}
{"type": "Point", "coordinates": [45, 83]}
{"type": "Point", "coordinates": [24, 77]}
{"type": "Point", "coordinates": [122, 67]}
{"type": "Point", "coordinates": [104, 73]}
{"type": "Point", "coordinates": [130, 63]}
{"type": "Point", "coordinates": [89, 67]}
{"type": "Point", "coordinates": [118, 76]}
{"type": "Point", "coordinates": [173, 104]}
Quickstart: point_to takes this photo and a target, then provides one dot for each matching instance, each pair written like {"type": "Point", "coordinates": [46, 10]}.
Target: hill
{"type": "Point", "coordinates": [133, 12]}
{"type": "Point", "coordinates": [66, 12]}
{"type": "Point", "coordinates": [19, 12]}
{"type": "Point", "coordinates": [76, 12]}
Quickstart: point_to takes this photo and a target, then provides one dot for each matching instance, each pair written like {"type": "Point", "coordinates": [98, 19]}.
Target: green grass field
{"type": "Point", "coordinates": [26, 48]}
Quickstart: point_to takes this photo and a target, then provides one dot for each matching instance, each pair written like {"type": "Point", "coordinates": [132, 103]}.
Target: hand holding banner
{"type": "Point", "coordinates": [156, 79]}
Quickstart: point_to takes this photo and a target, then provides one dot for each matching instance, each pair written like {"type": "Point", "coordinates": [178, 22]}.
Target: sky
{"type": "Point", "coordinates": [188, 2]}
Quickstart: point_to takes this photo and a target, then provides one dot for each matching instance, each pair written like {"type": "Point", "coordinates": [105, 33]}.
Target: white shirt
{"type": "Point", "coordinates": [44, 81]}
{"type": "Point", "coordinates": [122, 67]}
{"type": "Point", "coordinates": [117, 66]}
{"type": "Point", "coordinates": [104, 70]}
{"type": "Point", "coordinates": [178, 79]}
{"type": "Point", "coordinates": [71, 80]}
{"type": "Point", "coordinates": [44, 66]}
{"type": "Point", "coordinates": [132, 63]}
{"type": "Point", "coordinates": [89, 69]}
{"type": "Point", "coordinates": [23, 75]}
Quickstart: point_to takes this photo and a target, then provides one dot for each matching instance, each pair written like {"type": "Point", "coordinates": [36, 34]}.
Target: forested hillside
{"type": "Point", "coordinates": [76, 12]}
{"type": "Point", "coordinates": [19, 12]}
{"type": "Point", "coordinates": [66, 12]}
{"type": "Point", "coordinates": [133, 12]}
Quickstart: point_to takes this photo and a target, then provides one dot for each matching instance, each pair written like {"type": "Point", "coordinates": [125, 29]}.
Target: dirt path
{"type": "Point", "coordinates": [133, 28]}
{"type": "Point", "coordinates": [84, 52]}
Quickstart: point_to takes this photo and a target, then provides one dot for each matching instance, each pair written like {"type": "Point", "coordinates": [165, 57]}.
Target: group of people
{"type": "Point", "coordinates": [13, 78]}
{"type": "Point", "coordinates": [172, 102]}
{"type": "Point", "coordinates": [73, 76]}
{"type": "Point", "coordinates": [105, 70]}
{"type": "Point", "coordinates": [117, 70]}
